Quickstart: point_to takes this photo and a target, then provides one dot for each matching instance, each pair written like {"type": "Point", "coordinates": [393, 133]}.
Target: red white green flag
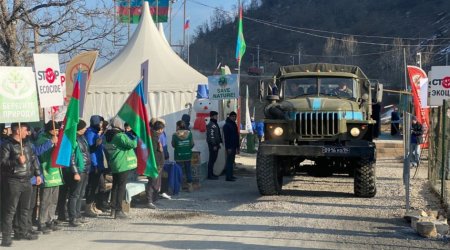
{"type": "Point", "coordinates": [135, 113]}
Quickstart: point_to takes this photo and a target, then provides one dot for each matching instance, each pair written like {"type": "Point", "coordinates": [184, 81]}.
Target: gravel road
{"type": "Point", "coordinates": [312, 213]}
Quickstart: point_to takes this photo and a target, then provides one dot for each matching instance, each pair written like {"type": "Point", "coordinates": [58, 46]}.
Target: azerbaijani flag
{"type": "Point", "coordinates": [159, 10]}
{"type": "Point", "coordinates": [135, 113]}
{"type": "Point", "coordinates": [67, 138]}
{"type": "Point", "coordinates": [130, 11]}
{"type": "Point", "coordinates": [240, 45]}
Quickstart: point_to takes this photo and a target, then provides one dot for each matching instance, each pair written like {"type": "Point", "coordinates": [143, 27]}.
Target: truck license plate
{"type": "Point", "coordinates": [335, 150]}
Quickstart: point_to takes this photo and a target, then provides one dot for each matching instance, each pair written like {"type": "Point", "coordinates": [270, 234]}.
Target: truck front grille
{"type": "Point", "coordinates": [317, 124]}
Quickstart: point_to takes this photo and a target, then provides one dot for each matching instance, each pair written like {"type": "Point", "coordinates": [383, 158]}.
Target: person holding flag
{"type": "Point", "coordinates": [18, 162]}
{"type": "Point", "coordinates": [119, 152]}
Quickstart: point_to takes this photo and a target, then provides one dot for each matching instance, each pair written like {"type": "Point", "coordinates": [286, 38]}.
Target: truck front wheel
{"type": "Point", "coordinates": [269, 177]}
{"type": "Point", "coordinates": [365, 179]}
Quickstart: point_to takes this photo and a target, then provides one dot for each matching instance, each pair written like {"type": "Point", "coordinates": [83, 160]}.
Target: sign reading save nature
{"type": "Point", "coordinates": [18, 97]}
{"type": "Point", "coordinates": [223, 87]}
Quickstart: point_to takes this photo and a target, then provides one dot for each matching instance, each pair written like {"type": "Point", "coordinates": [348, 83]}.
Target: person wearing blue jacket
{"type": "Point", "coordinates": [231, 136]}
{"type": "Point", "coordinates": [93, 138]}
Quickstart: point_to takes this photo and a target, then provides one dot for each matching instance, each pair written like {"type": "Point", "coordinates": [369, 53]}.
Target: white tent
{"type": "Point", "coordinates": [172, 82]}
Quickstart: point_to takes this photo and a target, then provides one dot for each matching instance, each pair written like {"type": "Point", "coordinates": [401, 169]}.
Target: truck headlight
{"type": "Point", "coordinates": [355, 132]}
{"type": "Point", "coordinates": [278, 131]}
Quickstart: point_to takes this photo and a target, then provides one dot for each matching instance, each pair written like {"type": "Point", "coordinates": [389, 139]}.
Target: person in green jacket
{"type": "Point", "coordinates": [183, 143]}
{"type": "Point", "coordinates": [121, 158]}
{"type": "Point", "coordinates": [52, 180]}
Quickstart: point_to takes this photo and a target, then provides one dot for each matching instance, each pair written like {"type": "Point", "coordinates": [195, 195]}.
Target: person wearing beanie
{"type": "Point", "coordinates": [52, 180]}
{"type": "Point", "coordinates": [94, 140]}
{"type": "Point", "coordinates": [76, 176]}
{"type": "Point", "coordinates": [121, 158]}
{"type": "Point", "coordinates": [231, 135]}
{"type": "Point", "coordinates": [183, 143]}
{"type": "Point", "coordinates": [214, 139]}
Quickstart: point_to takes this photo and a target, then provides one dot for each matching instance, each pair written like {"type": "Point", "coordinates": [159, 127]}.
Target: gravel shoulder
{"type": "Point", "coordinates": [312, 213]}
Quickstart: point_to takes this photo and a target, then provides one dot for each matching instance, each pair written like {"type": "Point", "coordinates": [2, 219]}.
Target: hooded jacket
{"type": "Point", "coordinates": [92, 134]}
{"type": "Point", "coordinates": [182, 143]}
{"type": "Point", "coordinates": [119, 151]}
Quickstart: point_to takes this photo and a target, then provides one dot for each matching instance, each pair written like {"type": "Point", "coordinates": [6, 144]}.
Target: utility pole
{"type": "Point", "coordinates": [299, 56]}
{"type": "Point", "coordinates": [257, 57]}
{"type": "Point", "coordinates": [171, 2]}
{"type": "Point", "coordinates": [446, 59]}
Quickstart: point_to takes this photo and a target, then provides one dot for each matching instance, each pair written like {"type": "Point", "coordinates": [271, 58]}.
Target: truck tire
{"type": "Point", "coordinates": [268, 177]}
{"type": "Point", "coordinates": [365, 179]}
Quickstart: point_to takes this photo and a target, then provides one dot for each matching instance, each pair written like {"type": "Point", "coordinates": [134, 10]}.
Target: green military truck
{"type": "Point", "coordinates": [323, 113]}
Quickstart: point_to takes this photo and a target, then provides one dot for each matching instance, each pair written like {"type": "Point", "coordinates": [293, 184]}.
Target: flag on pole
{"type": "Point", "coordinates": [187, 24]}
{"type": "Point", "coordinates": [129, 11]}
{"type": "Point", "coordinates": [135, 113]}
{"type": "Point", "coordinates": [248, 121]}
{"type": "Point", "coordinates": [240, 45]}
{"type": "Point", "coordinates": [67, 138]}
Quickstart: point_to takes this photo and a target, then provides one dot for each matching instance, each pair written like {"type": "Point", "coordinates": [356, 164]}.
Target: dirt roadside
{"type": "Point", "coordinates": [312, 213]}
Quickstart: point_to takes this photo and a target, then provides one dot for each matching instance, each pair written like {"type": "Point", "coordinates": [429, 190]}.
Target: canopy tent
{"type": "Point", "coordinates": [172, 82]}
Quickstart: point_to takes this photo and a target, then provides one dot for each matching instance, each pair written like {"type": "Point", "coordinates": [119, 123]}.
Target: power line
{"type": "Point", "coordinates": [298, 30]}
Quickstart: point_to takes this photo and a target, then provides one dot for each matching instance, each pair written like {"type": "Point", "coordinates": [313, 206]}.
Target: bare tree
{"type": "Point", "coordinates": [64, 27]}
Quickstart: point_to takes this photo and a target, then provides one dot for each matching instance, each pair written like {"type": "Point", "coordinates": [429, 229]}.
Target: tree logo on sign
{"type": "Point", "coordinates": [15, 86]}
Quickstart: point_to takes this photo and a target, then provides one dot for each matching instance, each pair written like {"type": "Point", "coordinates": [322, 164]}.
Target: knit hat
{"type": "Point", "coordinates": [81, 125]}
{"type": "Point", "coordinates": [232, 113]}
{"type": "Point", "coordinates": [213, 113]}
{"type": "Point", "coordinates": [116, 122]}
{"type": "Point", "coordinates": [49, 126]}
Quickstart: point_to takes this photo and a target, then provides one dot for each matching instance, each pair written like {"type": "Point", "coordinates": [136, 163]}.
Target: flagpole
{"type": "Point", "coordinates": [188, 45]}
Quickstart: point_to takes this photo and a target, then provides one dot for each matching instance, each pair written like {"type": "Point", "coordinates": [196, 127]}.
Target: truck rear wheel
{"type": "Point", "coordinates": [365, 179]}
{"type": "Point", "coordinates": [268, 176]}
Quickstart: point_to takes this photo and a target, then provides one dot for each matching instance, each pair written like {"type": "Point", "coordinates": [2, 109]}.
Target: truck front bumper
{"type": "Point", "coordinates": [312, 151]}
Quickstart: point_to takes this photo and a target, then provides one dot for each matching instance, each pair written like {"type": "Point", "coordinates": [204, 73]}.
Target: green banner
{"type": "Point", "coordinates": [18, 96]}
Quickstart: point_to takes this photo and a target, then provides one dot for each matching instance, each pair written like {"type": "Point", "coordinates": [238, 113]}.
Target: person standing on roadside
{"type": "Point", "coordinates": [77, 176]}
{"type": "Point", "coordinates": [214, 139]}
{"type": "Point", "coordinates": [416, 140]}
{"type": "Point", "coordinates": [52, 179]}
{"type": "Point", "coordinates": [119, 152]}
{"type": "Point", "coordinates": [183, 143]}
{"type": "Point", "coordinates": [154, 184]}
{"type": "Point", "coordinates": [231, 135]}
{"type": "Point", "coordinates": [18, 163]}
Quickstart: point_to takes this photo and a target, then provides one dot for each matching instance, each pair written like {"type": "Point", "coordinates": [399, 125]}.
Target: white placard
{"type": "Point", "coordinates": [439, 85]}
{"type": "Point", "coordinates": [223, 87]}
{"type": "Point", "coordinates": [48, 78]}
{"type": "Point", "coordinates": [18, 98]}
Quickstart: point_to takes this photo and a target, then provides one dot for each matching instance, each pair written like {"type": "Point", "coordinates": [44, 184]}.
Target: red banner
{"type": "Point", "coordinates": [415, 76]}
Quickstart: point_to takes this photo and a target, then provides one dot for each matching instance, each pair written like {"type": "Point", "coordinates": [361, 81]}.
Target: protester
{"type": "Point", "coordinates": [214, 139]}
{"type": "Point", "coordinates": [154, 184]}
{"type": "Point", "coordinates": [81, 164]}
{"type": "Point", "coordinates": [93, 138]}
{"type": "Point", "coordinates": [231, 135]}
{"type": "Point", "coordinates": [183, 143]}
{"type": "Point", "coordinates": [260, 130]}
{"type": "Point", "coordinates": [395, 122]}
{"type": "Point", "coordinates": [416, 140]}
{"type": "Point", "coordinates": [52, 178]}
{"type": "Point", "coordinates": [119, 152]}
{"type": "Point", "coordinates": [18, 162]}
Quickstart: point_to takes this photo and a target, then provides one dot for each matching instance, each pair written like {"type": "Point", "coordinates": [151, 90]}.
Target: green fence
{"type": "Point", "coordinates": [439, 151]}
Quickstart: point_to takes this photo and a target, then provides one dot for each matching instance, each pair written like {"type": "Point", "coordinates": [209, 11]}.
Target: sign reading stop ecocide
{"type": "Point", "coordinates": [439, 85]}
{"type": "Point", "coordinates": [48, 78]}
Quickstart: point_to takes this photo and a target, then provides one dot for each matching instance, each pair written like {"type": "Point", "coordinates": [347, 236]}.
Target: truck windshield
{"type": "Point", "coordinates": [330, 86]}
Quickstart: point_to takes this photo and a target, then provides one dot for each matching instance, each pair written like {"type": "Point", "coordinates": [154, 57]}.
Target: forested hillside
{"type": "Point", "coordinates": [371, 34]}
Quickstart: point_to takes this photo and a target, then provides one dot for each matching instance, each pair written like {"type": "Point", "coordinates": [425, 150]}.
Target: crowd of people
{"type": "Point", "coordinates": [37, 195]}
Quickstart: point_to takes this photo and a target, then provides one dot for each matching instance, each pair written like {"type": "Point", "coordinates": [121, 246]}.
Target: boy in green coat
{"type": "Point", "coordinates": [183, 143]}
